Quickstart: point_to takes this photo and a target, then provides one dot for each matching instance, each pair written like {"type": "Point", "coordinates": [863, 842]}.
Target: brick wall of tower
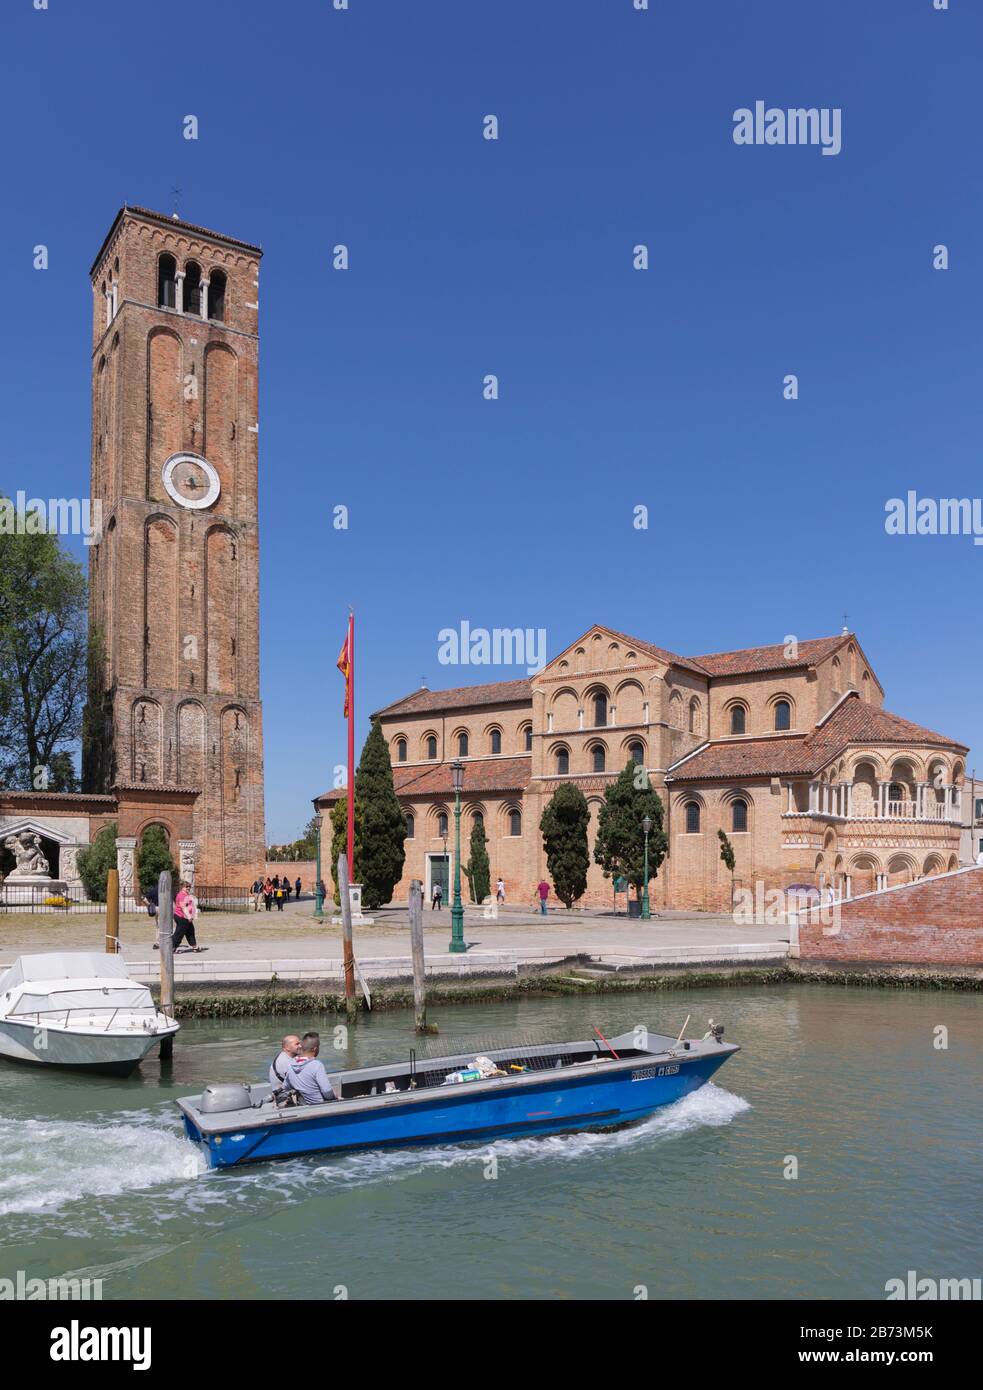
{"type": "Point", "coordinates": [175, 591]}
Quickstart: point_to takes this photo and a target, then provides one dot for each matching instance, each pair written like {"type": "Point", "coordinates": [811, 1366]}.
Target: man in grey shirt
{"type": "Point", "coordinates": [289, 1048]}
{"type": "Point", "coordinates": [306, 1075]}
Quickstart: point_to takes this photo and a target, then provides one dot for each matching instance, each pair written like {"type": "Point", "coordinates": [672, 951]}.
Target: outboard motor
{"type": "Point", "coordinates": [224, 1097]}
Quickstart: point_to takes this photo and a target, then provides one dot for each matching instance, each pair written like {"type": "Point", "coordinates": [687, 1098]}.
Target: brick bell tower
{"type": "Point", "coordinates": [174, 581]}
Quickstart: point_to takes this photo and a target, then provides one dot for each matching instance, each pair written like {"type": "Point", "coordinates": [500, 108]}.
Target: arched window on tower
{"type": "Point", "coordinates": [783, 714]}
{"type": "Point", "coordinates": [217, 283]}
{"type": "Point", "coordinates": [738, 817]}
{"type": "Point", "coordinates": [192, 288]}
{"type": "Point", "coordinates": [166, 283]}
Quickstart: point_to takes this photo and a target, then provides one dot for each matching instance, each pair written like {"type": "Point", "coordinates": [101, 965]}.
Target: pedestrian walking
{"type": "Point", "coordinates": [257, 892]}
{"type": "Point", "coordinates": [278, 894]}
{"type": "Point", "coordinates": [436, 898]}
{"type": "Point", "coordinates": [268, 893]}
{"type": "Point", "coordinates": [297, 890]}
{"type": "Point", "coordinates": [500, 891]}
{"type": "Point", "coordinates": [544, 891]}
{"type": "Point", "coordinates": [185, 911]}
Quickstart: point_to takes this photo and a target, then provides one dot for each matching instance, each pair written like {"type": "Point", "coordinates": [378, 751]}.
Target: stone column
{"type": "Point", "coordinates": [204, 299]}
{"type": "Point", "coordinates": [125, 850]}
{"type": "Point", "coordinates": [791, 799]}
{"type": "Point", "coordinates": [883, 788]}
{"type": "Point", "coordinates": [68, 864]}
{"type": "Point", "coordinates": [187, 858]}
{"type": "Point", "coordinates": [179, 291]}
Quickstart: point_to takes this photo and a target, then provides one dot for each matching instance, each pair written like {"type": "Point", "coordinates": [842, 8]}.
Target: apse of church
{"type": "Point", "coordinates": [174, 580]}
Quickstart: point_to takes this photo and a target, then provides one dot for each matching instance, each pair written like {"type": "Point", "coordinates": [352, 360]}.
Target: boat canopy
{"type": "Point", "coordinates": [59, 966]}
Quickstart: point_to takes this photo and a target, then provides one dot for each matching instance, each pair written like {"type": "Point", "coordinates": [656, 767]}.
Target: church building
{"type": "Point", "coordinates": [788, 749]}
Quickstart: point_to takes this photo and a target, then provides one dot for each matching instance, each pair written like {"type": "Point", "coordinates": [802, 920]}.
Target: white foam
{"type": "Point", "coordinates": [45, 1164]}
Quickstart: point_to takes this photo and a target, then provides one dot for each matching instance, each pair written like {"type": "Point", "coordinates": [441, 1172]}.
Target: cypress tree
{"type": "Point", "coordinates": [95, 861]}
{"type": "Point", "coordinates": [478, 869]}
{"type": "Point", "coordinates": [620, 846]}
{"type": "Point", "coordinates": [564, 825]}
{"type": "Point", "coordinates": [154, 858]}
{"type": "Point", "coordinates": [383, 821]}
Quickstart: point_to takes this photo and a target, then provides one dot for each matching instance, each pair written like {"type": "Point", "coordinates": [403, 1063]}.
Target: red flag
{"type": "Point", "coordinates": [345, 667]}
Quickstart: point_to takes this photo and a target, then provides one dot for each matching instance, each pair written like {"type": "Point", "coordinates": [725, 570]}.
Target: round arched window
{"type": "Point", "coordinates": [692, 818]}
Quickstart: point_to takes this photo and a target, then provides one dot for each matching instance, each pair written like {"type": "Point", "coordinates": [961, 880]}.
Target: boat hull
{"type": "Point", "coordinates": [113, 1054]}
{"type": "Point", "coordinates": [450, 1114]}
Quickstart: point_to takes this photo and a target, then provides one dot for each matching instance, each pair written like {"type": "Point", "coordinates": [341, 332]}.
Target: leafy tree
{"type": "Point", "coordinates": [43, 652]}
{"type": "Point", "coordinates": [564, 825]}
{"type": "Point", "coordinates": [620, 846]}
{"type": "Point", "coordinates": [383, 821]}
{"type": "Point", "coordinates": [727, 855]}
{"type": "Point", "coordinates": [339, 842]}
{"type": "Point", "coordinates": [95, 861]}
{"type": "Point", "coordinates": [478, 869]}
{"type": "Point", "coordinates": [154, 857]}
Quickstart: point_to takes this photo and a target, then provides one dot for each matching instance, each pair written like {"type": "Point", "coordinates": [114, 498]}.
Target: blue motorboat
{"type": "Point", "coordinates": [545, 1088]}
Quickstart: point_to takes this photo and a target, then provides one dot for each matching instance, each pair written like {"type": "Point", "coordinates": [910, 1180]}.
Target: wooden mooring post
{"type": "Point", "coordinates": [419, 964]}
{"type": "Point", "coordinates": [165, 930]}
{"type": "Point", "coordinates": [351, 1008]}
{"type": "Point", "coordinates": [112, 912]}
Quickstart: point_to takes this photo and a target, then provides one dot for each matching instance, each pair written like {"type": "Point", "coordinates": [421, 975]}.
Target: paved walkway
{"type": "Point", "coordinates": [249, 946]}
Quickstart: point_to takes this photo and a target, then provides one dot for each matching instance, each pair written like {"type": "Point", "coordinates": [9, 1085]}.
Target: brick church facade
{"type": "Point", "coordinates": [788, 749]}
{"type": "Point", "coordinates": [174, 602]}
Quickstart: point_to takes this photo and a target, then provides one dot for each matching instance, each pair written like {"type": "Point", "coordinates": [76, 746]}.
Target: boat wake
{"type": "Point", "coordinates": [45, 1164]}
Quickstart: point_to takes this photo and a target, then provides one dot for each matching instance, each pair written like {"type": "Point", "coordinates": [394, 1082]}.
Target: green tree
{"type": "Point", "coordinates": [478, 869]}
{"type": "Point", "coordinates": [383, 821]}
{"type": "Point", "coordinates": [339, 842]}
{"type": "Point", "coordinates": [564, 825]}
{"type": "Point", "coordinates": [95, 861]}
{"type": "Point", "coordinates": [43, 651]}
{"type": "Point", "coordinates": [620, 845]}
{"type": "Point", "coordinates": [730, 862]}
{"type": "Point", "coordinates": [154, 858]}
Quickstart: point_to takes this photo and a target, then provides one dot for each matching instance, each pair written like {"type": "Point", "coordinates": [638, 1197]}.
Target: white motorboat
{"type": "Point", "coordinates": [78, 1009]}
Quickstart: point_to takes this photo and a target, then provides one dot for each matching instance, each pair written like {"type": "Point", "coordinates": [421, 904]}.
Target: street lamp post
{"type": "Point", "coordinates": [457, 945]}
{"type": "Point", "coordinates": [646, 910]}
{"type": "Point", "coordinates": [318, 896]}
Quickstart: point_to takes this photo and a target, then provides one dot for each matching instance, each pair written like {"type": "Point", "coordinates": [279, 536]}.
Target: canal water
{"type": "Point", "coordinates": [96, 1179]}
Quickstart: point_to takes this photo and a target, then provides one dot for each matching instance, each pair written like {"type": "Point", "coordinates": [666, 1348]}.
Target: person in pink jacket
{"type": "Point", "coordinates": [185, 911]}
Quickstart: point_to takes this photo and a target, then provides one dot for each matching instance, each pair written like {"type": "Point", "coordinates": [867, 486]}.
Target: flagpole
{"type": "Point", "coordinates": [351, 746]}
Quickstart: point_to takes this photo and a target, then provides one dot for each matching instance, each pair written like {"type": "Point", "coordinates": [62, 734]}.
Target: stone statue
{"type": "Point", "coordinates": [25, 846]}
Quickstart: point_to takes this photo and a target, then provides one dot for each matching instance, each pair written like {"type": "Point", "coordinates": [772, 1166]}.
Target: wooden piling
{"type": "Point", "coordinates": [416, 945]}
{"type": "Point", "coordinates": [351, 1008]}
{"type": "Point", "coordinates": [165, 930]}
{"type": "Point", "coordinates": [112, 912]}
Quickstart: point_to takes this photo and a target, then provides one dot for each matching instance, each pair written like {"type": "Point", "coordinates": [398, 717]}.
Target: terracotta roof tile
{"type": "Point", "coordinates": [434, 779]}
{"type": "Point", "coordinates": [806, 754]}
{"type": "Point", "coordinates": [462, 697]}
{"type": "Point", "coordinates": [773, 658]}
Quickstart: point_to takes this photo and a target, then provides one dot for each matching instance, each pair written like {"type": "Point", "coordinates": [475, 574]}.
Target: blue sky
{"type": "Point", "coordinates": [617, 387]}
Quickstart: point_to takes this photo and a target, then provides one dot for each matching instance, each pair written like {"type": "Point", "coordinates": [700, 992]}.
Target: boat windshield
{"type": "Point", "coordinates": [110, 998]}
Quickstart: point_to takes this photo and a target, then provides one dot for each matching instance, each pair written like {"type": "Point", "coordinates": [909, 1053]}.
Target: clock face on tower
{"type": "Point", "coordinates": [191, 481]}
